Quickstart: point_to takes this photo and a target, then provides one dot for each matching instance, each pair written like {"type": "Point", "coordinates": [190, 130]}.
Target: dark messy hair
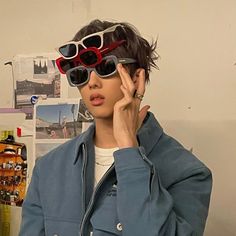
{"type": "Point", "coordinates": [135, 46]}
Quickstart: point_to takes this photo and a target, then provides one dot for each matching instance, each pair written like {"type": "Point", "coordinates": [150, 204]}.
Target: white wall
{"type": "Point", "coordinates": [193, 93]}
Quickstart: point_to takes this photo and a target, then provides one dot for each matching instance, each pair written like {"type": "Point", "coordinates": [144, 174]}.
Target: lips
{"type": "Point", "coordinates": [97, 99]}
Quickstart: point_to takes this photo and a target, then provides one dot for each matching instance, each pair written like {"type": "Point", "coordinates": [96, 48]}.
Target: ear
{"type": "Point", "coordinates": [136, 76]}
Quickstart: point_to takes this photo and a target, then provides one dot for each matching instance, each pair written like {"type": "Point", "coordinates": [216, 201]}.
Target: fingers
{"type": "Point", "coordinates": [127, 114]}
{"type": "Point", "coordinates": [126, 100]}
{"type": "Point", "coordinates": [140, 81]}
{"type": "Point", "coordinates": [136, 85]}
{"type": "Point", "coordinates": [126, 79]}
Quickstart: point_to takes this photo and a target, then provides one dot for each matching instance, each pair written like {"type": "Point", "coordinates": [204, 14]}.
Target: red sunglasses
{"type": "Point", "coordinates": [88, 57]}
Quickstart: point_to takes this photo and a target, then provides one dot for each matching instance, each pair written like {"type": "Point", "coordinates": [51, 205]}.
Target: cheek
{"type": "Point", "coordinates": [119, 94]}
{"type": "Point", "coordinates": [114, 90]}
{"type": "Point", "coordinates": [82, 91]}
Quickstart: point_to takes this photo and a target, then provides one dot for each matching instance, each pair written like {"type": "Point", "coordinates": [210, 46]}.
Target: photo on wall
{"type": "Point", "coordinates": [35, 75]}
{"type": "Point", "coordinates": [57, 120]}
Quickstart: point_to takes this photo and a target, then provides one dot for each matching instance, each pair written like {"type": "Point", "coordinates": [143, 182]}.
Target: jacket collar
{"type": "Point", "coordinates": [148, 136]}
{"type": "Point", "coordinates": [85, 138]}
{"type": "Point", "coordinates": [149, 133]}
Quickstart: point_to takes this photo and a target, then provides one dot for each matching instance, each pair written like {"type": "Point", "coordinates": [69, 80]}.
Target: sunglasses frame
{"type": "Point", "coordinates": [89, 69]}
{"type": "Point", "coordinates": [80, 42]}
{"type": "Point", "coordinates": [98, 53]}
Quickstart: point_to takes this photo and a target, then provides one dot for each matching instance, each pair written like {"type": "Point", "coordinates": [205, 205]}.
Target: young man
{"type": "Point", "coordinates": [124, 175]}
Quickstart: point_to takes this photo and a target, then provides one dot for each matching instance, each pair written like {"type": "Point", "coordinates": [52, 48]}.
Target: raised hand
{"type": "Point", "coordinates": [128, 117]}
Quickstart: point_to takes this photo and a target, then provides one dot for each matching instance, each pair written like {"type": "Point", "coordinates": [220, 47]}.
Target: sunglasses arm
{"type": "Point", "coordinates": [112, 46]}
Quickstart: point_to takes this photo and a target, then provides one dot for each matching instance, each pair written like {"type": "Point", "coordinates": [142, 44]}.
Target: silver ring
{"type": "Point", "coordinates": [139, 96]}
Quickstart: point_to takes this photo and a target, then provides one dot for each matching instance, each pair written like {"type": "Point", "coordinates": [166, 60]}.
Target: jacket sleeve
{"type": "Point", "coordinates": [32, 223]}
{"type": "Point", "coordinates": [145, 207]}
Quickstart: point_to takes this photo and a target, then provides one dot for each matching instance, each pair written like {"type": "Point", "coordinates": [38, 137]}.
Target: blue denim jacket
{"type": "Point", "coordinates": [159, 188]}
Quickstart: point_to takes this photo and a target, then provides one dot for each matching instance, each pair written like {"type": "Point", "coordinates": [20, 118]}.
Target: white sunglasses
{"type": "Point", "coordinates": [71, 49]}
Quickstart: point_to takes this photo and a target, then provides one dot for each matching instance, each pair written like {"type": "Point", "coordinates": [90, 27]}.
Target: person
{"type": "Point", "coordinates": [53, 134]}
{"type": "Point", "coordinates": [124, 175]}
{"type": "Point", "coordinates": [64, 128]}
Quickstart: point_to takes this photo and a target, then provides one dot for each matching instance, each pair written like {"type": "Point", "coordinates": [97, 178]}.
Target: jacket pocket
{"type": "Point", "coordinates": [104, 219]}
{"type": "Point", "coordinates": [57, 227]}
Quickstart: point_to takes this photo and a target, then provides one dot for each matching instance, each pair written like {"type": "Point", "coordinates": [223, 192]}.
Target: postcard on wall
{"type": "Point", "coordinates": [58, 120]}
{"type": "Point", "coordinates": [36, 75]}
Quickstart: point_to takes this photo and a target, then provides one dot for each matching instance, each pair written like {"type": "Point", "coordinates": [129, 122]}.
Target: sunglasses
{"type": "Point", "coordinates": [80, 75]}
{"type": "Point", "coordinates": [89, 57]}
{"type": "Point", "coordinates": [71, 49]}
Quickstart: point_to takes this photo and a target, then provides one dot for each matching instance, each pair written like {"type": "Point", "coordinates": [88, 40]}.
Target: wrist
{"type": "Point", "coordinates": [128, 143]}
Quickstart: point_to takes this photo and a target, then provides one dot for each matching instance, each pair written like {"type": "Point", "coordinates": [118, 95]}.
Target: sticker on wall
{"type": "Point", "coordinates": [13, 171]}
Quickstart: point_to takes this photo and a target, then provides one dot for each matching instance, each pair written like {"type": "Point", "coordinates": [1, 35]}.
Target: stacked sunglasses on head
{"type": "Point", "coordinates": [79, 58]}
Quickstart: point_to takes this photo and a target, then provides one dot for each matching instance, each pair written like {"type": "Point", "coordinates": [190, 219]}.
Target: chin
{"type": "Point", "coordinates": [102, 114]}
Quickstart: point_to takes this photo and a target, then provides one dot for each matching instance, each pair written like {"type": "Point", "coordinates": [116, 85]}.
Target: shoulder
{"type": "Point", "coordinates": [172, 149]}
{"type": "Point", "coordinates": [175, 162]}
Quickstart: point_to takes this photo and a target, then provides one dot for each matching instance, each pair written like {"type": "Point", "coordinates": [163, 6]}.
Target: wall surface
{"type": "Point", "coordinates": [193, 93]}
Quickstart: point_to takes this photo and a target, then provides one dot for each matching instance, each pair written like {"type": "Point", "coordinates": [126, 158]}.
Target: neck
{"type": "Point", "coordinates": [104, 134]}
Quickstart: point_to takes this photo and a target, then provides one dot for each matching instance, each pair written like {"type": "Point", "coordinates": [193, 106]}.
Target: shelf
{"type": "Point", "coordinates": [11, 170]}
{"type": "Point", "coordinates": [9, 202]}
{"type": "Point", "coordinates": [10, 155]}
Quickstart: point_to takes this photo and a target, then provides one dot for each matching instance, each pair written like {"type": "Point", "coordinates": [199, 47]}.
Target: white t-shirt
{"type": "Point", "coordinates": [103, 160]}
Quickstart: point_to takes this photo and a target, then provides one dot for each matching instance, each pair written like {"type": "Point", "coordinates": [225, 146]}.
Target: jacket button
{"type": "Point", "coordinates": [119, 227]}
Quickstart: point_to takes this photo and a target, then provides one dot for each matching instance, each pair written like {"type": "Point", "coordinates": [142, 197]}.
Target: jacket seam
{"type": "Point", "coordinates": [51, 218]}
{"type": "Point", "coordinates": [191, 173]}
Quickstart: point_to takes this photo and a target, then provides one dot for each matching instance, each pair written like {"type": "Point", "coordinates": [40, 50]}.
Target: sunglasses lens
{"type": "Point", "coordinates": [89, 58]}
{"type": "Point", "coordinates": [106, 67]}
{"type": "Point", "coordinates": [68, 50]}
{"type": "Point", "coordinates": [78, 76]}
{"type": "Point", "coordinates": [66, 65]}
{"type": "Point", "coordinates": [94, 41]}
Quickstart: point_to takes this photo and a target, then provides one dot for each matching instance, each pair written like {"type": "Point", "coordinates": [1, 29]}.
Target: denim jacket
{"type": "Point", "coordinates": [158, 188]}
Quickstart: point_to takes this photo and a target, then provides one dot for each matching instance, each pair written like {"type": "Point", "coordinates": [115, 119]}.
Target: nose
{"type": "Point", "coordinates": [94, 80]}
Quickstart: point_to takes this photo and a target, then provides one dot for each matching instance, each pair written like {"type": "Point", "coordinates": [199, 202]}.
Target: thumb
{"type": "Point", "coordinates": [142, 114]}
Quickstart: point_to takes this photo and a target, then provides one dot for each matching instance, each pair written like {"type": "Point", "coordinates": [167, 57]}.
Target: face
{"type": "Point", "coordinates": [101, 94]}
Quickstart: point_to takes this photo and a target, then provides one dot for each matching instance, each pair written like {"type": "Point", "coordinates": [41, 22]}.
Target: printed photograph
{"type": "Point", "coordinates": [36, 76]}
{"type": "Point", "coordinates": [57, 121]}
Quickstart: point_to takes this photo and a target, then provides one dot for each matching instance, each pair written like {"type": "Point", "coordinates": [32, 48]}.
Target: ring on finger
{"type": "Point", "coordinates": [139, 96]}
